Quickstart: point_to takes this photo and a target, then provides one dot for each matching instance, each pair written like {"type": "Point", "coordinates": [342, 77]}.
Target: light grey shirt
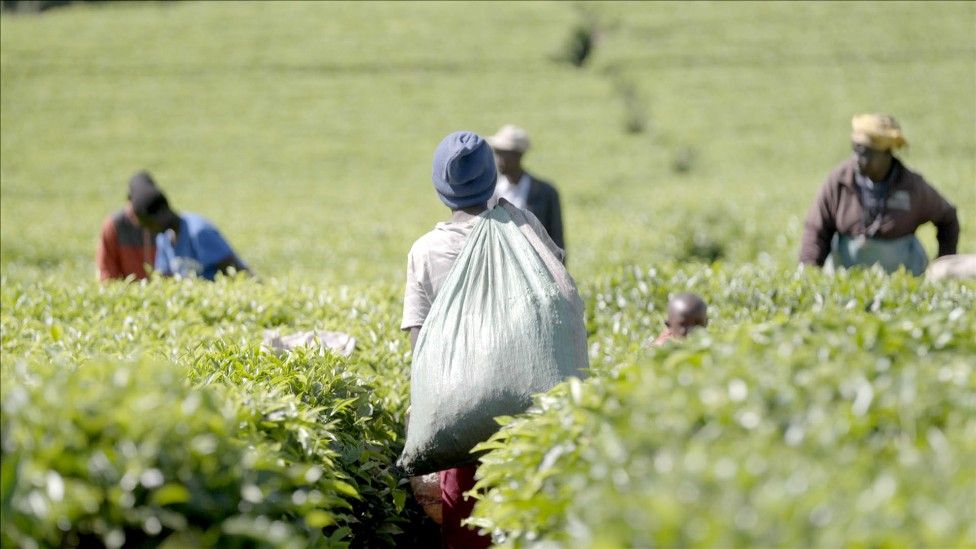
{"type": "Point", "coordinates": [431, 258]}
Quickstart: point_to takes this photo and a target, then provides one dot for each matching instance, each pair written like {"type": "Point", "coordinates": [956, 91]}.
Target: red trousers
{"type": "Point", "coordinates": [456, 508]}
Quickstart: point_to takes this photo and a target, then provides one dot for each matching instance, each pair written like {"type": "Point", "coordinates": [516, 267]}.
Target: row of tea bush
{"type": "Point", "coordinates": [815, 410]}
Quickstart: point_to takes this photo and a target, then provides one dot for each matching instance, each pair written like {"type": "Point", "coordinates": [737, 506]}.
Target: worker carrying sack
{"type": "Point", "coordinates": [506, 324]}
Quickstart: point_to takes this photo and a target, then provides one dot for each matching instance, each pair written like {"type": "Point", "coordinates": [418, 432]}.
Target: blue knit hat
{"type": "Point", "coordinates": [464, 170]}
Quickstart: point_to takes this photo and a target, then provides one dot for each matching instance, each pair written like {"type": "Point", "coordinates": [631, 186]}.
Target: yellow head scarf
{"type": "Point", "coordinates": [878, 131]}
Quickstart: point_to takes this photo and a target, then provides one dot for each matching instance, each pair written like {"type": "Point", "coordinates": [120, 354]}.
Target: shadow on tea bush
{"type": "Point", "coordinates": [32, 6]}
{"type": "Point", "coordinates": [577, 46]}
{"type": "Point", "coordinates": [328, 410]}
{"type": "Point", "coordinates": [707, 238]}
{"type": "Point", "coordinates": [127, 454]}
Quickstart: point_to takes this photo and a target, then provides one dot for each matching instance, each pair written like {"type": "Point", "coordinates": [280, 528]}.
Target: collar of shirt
{"type": "Point", "coordinates": [873, 196]}
{"type": "Point", "coordinates": [863, 180]}
{"type": "Point", "coordinates": [517, 194]}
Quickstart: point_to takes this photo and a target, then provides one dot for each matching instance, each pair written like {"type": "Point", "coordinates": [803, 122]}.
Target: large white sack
{"type": "Point", "coordinates": [960, 267]}
{"type": "Point", "coordinates": [506, 324]}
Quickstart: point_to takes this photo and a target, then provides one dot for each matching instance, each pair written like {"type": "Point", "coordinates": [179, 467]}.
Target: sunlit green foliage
{"type": "Point", "coordinates": [120, 454]}
{"type": "Point", "coordinates": [340, 418]}
{"type": "Point", "coordinates": [815, 411]}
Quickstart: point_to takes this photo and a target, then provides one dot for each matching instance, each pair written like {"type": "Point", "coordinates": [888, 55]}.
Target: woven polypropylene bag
{"type": "Point", "coordinates": [506, 324]}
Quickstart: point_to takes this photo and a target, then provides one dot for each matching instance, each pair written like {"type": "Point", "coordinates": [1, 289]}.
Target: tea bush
{"type": "Point", "coordinates": [815, 411]}
{"type": "Point", "coordinates": [627, 305]}
{"type": "Point", "coordinates": [334, 417]}
{"type": "Point", "coordinates": [118, 455]}
{"type": "Point", "coordinates": [306, 409]}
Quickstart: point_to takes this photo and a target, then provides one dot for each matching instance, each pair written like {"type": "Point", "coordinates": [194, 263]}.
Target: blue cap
{"type": "Point", "coordinates": [464, 170]}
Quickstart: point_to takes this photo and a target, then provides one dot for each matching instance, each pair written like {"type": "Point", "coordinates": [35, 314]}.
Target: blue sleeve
{"type": "Point", "coordinates": [162, 257]}
{"type": "Point", "coordinates": [211, 248]}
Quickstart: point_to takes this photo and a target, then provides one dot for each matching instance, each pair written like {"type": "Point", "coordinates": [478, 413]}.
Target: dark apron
{"type": "Point", "coordinates": [849, 251]}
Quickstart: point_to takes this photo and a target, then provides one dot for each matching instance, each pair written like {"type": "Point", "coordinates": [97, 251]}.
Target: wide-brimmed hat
{"type": "Point", "coordinates": [878, 131]}
{"type": "Point", "coordinates": [464, 170]}
{"type": "Point", "coordinates": [510, 138]}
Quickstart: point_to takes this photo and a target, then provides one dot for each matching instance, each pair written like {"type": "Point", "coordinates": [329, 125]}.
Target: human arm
{"type": "Point", "coordinates": [947, 232]}
{"type": "Point", "coordinates": [215, 253]}
{"type": "Point", "coordinates": [232, 262]}
{"type": "Point", "coordinates": [164, 249]}
{"type": "Point", "coordinates": [933, 207]}
{"type": "Point", "coordinates": [416, 301]}
{"type": "Point", "coordinates": [107, 254]}
{"type": "Point", "coordinates": [556, 223]}
{"type": "Point", "coordinates": [818, 228]}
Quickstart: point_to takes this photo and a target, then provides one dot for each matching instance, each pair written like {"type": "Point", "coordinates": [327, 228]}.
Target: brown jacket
{"type": "Point", "coordinates": [911, 202]}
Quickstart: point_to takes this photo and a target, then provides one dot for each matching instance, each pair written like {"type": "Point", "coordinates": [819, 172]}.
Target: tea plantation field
{"type": "Point", "coordinates": [815, 411]}
{"type": "Point", "coordinates": [826, 410]}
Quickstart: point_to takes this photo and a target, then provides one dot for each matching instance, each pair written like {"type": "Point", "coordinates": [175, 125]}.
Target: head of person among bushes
{"type": "Point", "coordinates": [150, 204]}
{"type": "Point", "coordinates": [463, 170]}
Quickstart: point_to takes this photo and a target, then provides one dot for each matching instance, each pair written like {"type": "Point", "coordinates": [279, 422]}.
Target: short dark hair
{"type": "Point", "coordinates": [148, 201]}
{"type": "Point", "coordinates": [140, 180]}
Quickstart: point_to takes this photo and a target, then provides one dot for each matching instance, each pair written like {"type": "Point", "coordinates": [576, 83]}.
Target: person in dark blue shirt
{"type": "Point", "coordinates": [187, 244]}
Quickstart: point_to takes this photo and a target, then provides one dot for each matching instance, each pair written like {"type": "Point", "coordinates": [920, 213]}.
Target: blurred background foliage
{"type": "Point", "coordinates": [305, 130]}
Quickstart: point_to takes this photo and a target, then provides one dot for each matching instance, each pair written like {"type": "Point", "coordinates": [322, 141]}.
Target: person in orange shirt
{"type": "Point", "coordinates": [124, 247]}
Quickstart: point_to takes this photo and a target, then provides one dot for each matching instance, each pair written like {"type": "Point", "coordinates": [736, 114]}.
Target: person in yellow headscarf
{"type": "Point", "coordinates": [870, 206]}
